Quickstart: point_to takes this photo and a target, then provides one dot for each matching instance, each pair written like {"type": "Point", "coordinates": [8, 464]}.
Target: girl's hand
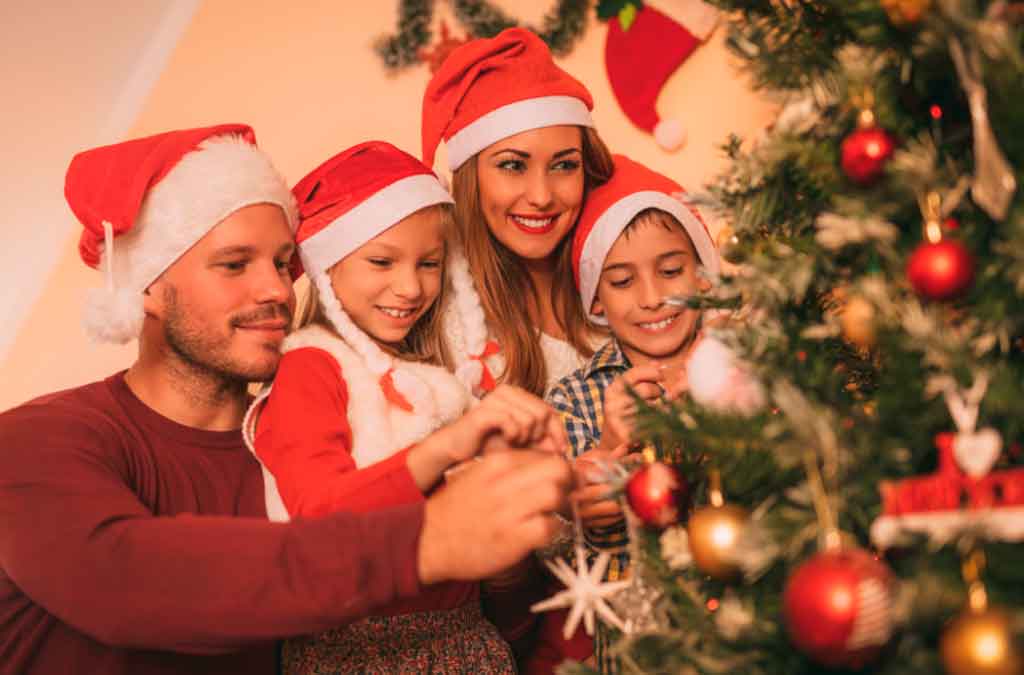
{"type": "Point", "coordinates": [619, 407]}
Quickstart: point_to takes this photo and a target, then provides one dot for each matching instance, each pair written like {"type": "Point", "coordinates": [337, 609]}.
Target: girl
{"type": "Point", "coordinates": [523, 151]}
{"type": "Point", "coordinates": [360, 390]}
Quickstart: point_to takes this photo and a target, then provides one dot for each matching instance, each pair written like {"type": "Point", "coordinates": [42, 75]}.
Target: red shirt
{"type": "Point", "coordinates": [304, 438]}
{"type": "Point", "coordinates": [132, 544]}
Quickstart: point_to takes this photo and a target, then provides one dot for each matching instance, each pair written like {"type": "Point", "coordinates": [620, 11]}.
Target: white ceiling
{"type": "Point", "coordinates": [73, 75]}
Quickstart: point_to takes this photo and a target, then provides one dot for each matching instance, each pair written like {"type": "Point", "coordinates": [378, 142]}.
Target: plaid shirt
{"type": "Point", "coordinates": [579, 399]}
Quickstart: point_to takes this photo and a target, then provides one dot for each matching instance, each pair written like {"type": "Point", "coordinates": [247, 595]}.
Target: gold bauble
{"type": "Point", "coordinates": [904, 12]}
{"type": "Point", "coordinates": [981, 642]}
{"type": "Point", "coordinates": [857, 319]}
{"type": "Point", "coordinates": [714, 532]}
{"type": "Point", "coordinates": [729, 245]}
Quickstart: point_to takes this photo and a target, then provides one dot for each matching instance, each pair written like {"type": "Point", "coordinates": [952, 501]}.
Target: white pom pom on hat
{"type": "Point", "coordinates": [143, 203]}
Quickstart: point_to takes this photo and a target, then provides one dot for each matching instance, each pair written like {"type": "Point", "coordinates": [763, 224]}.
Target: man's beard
{"type": "Point", "coordinates": [206, 352]}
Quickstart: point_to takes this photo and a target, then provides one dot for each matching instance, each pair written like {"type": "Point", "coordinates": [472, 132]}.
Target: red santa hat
{"type": "Point", "coordinates": [145, 202]}
{"type": "Point", "coordinates": [493, 88]}
{"type": "Point", "coordinates": [610, 208]}
{"type": "Point", "coordinates": [641, 54]}
{"type": "Point", "coordinates": [344, 203]}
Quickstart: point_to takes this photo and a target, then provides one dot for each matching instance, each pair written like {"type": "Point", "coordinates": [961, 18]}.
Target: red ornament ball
{"type": "Point", "coordinates": [838, 607]}
{"type": "Point", "coordinates": [658, 495]}
{"type": "Point", "coordinates": [940, 271]}
{"type": "Point", "coordinates": [864, 154]}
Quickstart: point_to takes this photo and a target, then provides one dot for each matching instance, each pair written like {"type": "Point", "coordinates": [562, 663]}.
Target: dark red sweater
{"type": "Point", "coordinates": [132, 544]}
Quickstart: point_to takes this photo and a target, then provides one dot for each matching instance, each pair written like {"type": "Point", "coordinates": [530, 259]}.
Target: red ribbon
{"type": "Point", "coordinates": [487, 381]}
{"type": "Point", "coordinates": [387, 384]}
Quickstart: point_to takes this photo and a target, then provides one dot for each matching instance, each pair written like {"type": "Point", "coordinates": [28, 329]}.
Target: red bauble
{"type": "Point", "coordinates": [864, 154]}
{"type": "Point", "coordinates": [658, 495]}
{"type": "Point", "coordinates": [838, 608]}
{"type": "Point", "coordinates": [940, 271]}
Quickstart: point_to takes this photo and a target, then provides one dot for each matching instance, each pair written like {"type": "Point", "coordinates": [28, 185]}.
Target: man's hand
{"type": "Point", "coordinates": [619, 406]}
{"type": "Point", "coordinates": [498, 511]}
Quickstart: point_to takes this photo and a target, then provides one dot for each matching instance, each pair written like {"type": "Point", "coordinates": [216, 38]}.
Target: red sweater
{"type": "Point", "coordinates": [132, 544]}
{"type": "Point", "coordinates": [304, 438]}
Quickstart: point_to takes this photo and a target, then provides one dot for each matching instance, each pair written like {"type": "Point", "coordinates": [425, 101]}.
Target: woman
{"type": "Point", "coordinates": [523, 154]}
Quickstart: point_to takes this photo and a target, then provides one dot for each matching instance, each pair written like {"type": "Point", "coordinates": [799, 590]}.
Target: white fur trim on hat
{"type": "Point", "coordinates": [415, 391]}
{"type": "Point", "coordinates": [615, 219]}
{"type": "Point", "coordinates": [371, 217]}
{"type": "Point", "coordinates": [514, 118]}
{"type": "Point", "coordinates": [223, 175]}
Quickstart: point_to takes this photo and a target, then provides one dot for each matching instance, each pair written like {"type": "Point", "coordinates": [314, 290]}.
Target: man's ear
{"type": "Point", "coordinates": [154, 298]}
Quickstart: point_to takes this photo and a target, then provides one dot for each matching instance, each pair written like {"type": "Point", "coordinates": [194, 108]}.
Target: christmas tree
{"type": "Point", "coordinates": [868, 516]}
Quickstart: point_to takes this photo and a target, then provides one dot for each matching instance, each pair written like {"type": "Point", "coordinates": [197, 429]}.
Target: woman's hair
{"type": "Point", "coordinates": [425, 341]}
{"type": "Point", "coordinates": [503, 282]}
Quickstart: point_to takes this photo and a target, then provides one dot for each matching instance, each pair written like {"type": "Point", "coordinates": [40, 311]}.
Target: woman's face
{"type": "Point", "coordinates": [531, 188]}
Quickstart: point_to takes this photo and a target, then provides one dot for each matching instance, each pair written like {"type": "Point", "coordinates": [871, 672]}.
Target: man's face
{"type": "Point", "coordinates": [653, 259]}
{"type": "Point", "coordinates": [226, 305]}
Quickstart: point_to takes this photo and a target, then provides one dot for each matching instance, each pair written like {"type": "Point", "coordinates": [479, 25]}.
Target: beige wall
{"type": "Point", "coordinates": [304, 75]}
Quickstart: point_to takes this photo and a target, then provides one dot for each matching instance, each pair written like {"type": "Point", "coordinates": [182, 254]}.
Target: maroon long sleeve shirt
{"type": "Point", "coordinates": [132, 544]}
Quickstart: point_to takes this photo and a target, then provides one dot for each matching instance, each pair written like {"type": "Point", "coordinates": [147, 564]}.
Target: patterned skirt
{"type": "Point", "coordinates": [446, 642]}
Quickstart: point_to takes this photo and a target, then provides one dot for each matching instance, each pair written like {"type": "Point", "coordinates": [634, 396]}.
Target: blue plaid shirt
{"type": "Point", "coordinates": [579, 399]}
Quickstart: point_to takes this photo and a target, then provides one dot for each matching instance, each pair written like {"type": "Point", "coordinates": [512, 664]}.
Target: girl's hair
{"type": "Point", "coordinates": [425, 341]}
{"type": "Point", "coordinates": [502, 279]}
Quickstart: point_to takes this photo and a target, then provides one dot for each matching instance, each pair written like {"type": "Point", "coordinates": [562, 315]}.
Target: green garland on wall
{"type": "Point", "coordinates": [561, 28]}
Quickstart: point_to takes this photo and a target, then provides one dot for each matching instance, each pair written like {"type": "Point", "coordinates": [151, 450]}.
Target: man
{"type": "Point", "coordinates": [133, 536]}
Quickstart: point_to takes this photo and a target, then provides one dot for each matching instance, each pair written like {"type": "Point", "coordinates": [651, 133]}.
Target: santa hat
{"type": "Point", "coordinates": [493, 88]}
{"type": "Point", "coordinates": [641, 54]}
{"type": "Point", "coordinates": [344, 203]}
{"type": "Point", "coordinates": [145, 202]}
{"type": "Point", "coordinates": [610, 208]}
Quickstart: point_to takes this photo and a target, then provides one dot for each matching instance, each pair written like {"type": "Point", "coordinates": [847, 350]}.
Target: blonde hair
{"type": "Point", "coordinates": [503, 282]}
{"type": "Point", "coordinates": [425, 341]}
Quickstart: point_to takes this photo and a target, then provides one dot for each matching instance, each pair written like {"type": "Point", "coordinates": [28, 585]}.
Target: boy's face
{"type": "Point", "coordinates": [651, 260]}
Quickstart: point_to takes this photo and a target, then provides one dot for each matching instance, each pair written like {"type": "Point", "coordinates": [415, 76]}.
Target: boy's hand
{"type": "Point", "coordinates": [619, 406]}
{"type": "Point", "coordinates": [595, 508]}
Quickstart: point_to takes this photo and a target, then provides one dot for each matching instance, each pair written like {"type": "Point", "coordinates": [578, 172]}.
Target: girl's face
{"type": "Point", "coordinates": [391, 281]}
{"type": "Point", "coordinates": [531, 188]}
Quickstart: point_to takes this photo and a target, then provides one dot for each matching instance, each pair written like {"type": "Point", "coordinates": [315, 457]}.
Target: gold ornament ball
{"type": "Point", "coordinates": [904, 12]}
{"type": "Point", "coordinates": [729, 245]}
{"type": "Point", "coordinates": [857, 319]}
{"type": "Point", "coordinates": [981, 643]}
{"type": "Point", "coordinates": [714, 532]}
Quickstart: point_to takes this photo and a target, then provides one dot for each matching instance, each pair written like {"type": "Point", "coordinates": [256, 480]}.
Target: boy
{"type": "Point", "coordinates": [635, 244]}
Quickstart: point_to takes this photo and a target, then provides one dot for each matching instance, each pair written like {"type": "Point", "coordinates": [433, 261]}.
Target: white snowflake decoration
{"type": "Point", "coordinates": [584, 592]}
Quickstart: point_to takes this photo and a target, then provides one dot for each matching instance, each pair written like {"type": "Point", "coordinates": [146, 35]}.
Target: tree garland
{"type": "Point", "coordinates": [561, 27]}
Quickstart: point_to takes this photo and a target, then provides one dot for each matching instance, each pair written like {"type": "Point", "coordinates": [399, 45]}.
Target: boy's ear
{"type": "Point", "coordinates": [596, 308]}
{"type": "Point", "coordinates": [703, 284]}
